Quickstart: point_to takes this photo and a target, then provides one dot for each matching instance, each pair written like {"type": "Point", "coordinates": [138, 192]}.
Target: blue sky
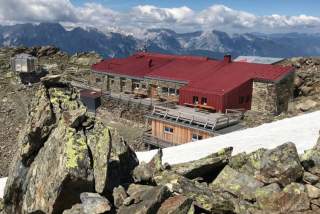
{"type": "Point", "coordinates": [232, 16]}
{"type": "Point", "coordinates": [258, 7]}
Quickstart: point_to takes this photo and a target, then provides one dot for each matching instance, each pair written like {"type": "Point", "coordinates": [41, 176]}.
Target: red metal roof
{"type": "Point", "coordinates": [137, 65]}
{"type": "Point", "coordinates": [201, 73]}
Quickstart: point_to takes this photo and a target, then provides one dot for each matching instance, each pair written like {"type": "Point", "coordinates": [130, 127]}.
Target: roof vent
{"type": "Point", "coordinates": [227, 58]}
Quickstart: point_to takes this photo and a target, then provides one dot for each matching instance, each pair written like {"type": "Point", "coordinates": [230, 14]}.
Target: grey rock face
{"type": "Point", "coordinates": [99, 142]}
{"type": "Point", "coordinates": [145, 172]}
{"type": "Point", "coordinates": [209, 165]}
{"type": "Point", "coordinates": [281, 164]}
{"type": "Point", "coordinates": [119, 195]}
{"type": "Point", "coordinates": [201, 195]}
{"type": "Point", "coordinates": [146, 201]}
{"type": "Point", "coordinates": [94, 203]}
{"type": "Point", "coordinates": [236, 183]}
{"type": "Point", "coordinates": [59, 157]}
{"type": "Point", "coordinates": [176, 205]}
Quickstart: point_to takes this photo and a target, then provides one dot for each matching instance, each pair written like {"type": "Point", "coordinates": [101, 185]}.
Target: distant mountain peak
{"type": "Point", "coordinates": [116, 42]}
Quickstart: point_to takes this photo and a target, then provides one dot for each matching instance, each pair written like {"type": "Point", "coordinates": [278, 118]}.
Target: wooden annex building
{"type": "Point", "coordinates": [193, 82]}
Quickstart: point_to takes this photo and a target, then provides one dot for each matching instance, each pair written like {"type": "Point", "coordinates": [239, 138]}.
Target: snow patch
{"type": "Point", "coordinates": [2, 186]}
{"type": "Point", "coordinates": [302, 130]}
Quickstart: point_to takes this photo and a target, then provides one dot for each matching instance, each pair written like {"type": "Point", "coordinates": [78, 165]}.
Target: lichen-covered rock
{"type": "Point", "coordinates": [54, 163]}
{"type": "Point", "coordinates": [247, 164]}
{"type": "Point", "coordinates": [242, 185]}
{"type": "Point", "coordinates": [202, 196]}
{"type": "Point", "coordinates": [292, 199]}
{"type": "Point", "coordinates": [119, 195]}
{"type": "Point", "coordinates": [99, 142]}
{"type": "Point", "coordinates": [93, 203]}
{"type": "Point", "coordinates": [176, 205]}
{"type": "Point", "coordinates": [122, 162]}
{"type": "Point", "coordinates": [264, 194]}
{"type": "Point", "coordinates": [281, 165]}
{"type": "Point", "coordinates": [148, 201]}
{"type": "Point", "coordinates": [205, 167]}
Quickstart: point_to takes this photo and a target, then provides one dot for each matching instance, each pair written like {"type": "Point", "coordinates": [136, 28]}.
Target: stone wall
{"type": "Point", "coordinates": [285, 92]}
{"type": "Point", "coordinates": [272, 97]}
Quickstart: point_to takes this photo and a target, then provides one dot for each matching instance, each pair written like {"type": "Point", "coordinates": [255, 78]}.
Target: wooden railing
{"type": "Point", "coordinates": [232, 117]}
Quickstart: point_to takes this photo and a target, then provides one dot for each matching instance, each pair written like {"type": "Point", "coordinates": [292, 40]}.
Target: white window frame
{"type": "Point", "coordinates": [197, 138]}
{"type": "Point", "coordinates": [168, 130]}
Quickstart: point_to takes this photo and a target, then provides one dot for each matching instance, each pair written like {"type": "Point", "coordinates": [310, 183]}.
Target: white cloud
{"type": "Point", "coordinates": [170, 15]}
{"type": "Point", "coordinates": [220, 15]}
{"type": "Point", "coordinates": [182, 18]}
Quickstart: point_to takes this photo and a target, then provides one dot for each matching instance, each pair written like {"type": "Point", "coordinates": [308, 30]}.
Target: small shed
{"type": "Point", "coordinates": [24, 63]}
{"type": "Point", "coordinates": [91, 99]}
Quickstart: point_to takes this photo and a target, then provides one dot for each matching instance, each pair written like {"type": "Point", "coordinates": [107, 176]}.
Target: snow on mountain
{"type": "Point", "coordinates": [116, 42]}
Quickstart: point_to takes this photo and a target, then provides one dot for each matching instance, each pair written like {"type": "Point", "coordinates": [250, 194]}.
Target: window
{"type": "Point", "coordinates": [196, 137]}
{"type": "Point", "coordinates": [172, 91]}
{"type": "Point", "coordinates": [165, 90]}
{"type": "Point", "coordinates": [168, 130]}
{"type": "Point", "coordinates": [195, 100]}
{"type": "Point", "coordinates": [111, 79]}
{"type": "Point", "coordinates": [135, 84]}
{"type": "Point", "coordinates": [241, 99]}
{"type": "Point", "coordinates": [123, 81]}
{"type": "Point", "coordinates": [144, 86]}
{"type": "Point", "coordinates": [204, 101]}
{"type": "Point", "coordinates": [98, 80]}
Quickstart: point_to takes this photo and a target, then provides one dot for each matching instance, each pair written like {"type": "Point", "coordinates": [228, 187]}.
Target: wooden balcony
{"type": "Point", "coordinates": [197, 120]}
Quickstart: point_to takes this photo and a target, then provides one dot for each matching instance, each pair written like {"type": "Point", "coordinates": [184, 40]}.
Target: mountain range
{"type": "Point", "coordinates": [117, 44]}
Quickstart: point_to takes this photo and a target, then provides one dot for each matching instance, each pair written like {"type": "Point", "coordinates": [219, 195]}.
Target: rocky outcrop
{"type": "Point", "coordinates": [62, 153]}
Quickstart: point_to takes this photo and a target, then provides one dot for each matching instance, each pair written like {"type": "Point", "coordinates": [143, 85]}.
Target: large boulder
{"type": "Point", "coordinates": [280, 165]}
{"type": "Point", "coordinates": [178, 204]}
{"type": "Point", "coordinates": [206, 167]}
{"type": "Point", "coordinates": [119, 195]}
{"type": "Point", "coordinates": [94, 203]}
{"type": "Point", "coordinates": [145, 172]}
{"type": "Point", "coordinates": [292, 199]}
{"type": "Point", "coordinates": [236, 183]}
{"type": "Point", "coordinates": [99, 142]}
{"type": "Point", "coordinates": [202, 196]}
{"type": "Point", "coordinates": [148, 201]}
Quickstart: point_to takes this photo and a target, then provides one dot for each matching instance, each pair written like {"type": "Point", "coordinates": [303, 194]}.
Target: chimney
{"type": "Point", "coordinates": [150, 63]}
{"type": "Point", "coordinates": [227, 58]}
